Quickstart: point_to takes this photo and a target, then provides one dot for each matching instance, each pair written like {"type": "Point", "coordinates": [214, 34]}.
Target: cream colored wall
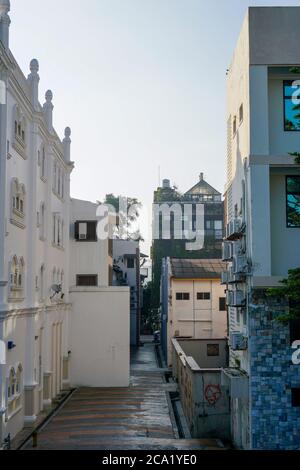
{"type": "Point", "coordinates": [99, 337]}
{"type": "Point", "coordinates": [196, 318]}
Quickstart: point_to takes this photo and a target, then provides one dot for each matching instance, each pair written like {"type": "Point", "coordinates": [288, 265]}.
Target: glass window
{"type": "Point", "coordinates": [291, 105]}
{"type": "Point", "coordinates": [182, 296]}
{"type": "Point", "coordinates": [222, 304]}
{"type": "Point", "coordinates": [213, 350]}
{"type": "Point", "coordinates": [203, 295]}
{"type": "Point", "coordinates": [293, 201]}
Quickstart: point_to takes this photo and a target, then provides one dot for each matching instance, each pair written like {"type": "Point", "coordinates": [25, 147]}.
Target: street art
{"type": "Point", "coordinates": [212, 393]}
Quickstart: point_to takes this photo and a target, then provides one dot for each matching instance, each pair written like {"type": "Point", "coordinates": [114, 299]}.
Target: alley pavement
{"type": "Point", "coordinates": [137, 417]}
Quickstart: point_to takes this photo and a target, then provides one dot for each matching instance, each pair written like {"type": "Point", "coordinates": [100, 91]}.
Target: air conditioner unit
{"type": "Point", "coordinates": [238, 342]}
{"type": "Point", "coordinates": [234, 277]}
{"type": "Point", "coordinates": [229, 297]}
{"type": "Point", "coordinates": [239, 264]}
{"type": "Point", "coordinates": [235, 298]}
{"type": "Point", "coordinates": [227, 251]}
{"type": "Point", "coordinates": [82, 231]}
{"type": "Point", "coordinates": [233, 229]}
{"type": "Point", "coordinates": [224, 277]}
{"type": "Point", "coordinates": [238, 298]}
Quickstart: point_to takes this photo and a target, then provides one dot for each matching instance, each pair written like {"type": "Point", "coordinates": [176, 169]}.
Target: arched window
{"type": "Point", "coordinates": [21, 273]}
{"type": "Point", "coordinates": [18, 387]}
{"type": "Point", "coordinates": [19, 126]}
{"type": "Point", "coordinates": [14, 273]}
{"type": "Point", "coordinates": [11, 383]}
{"type": "Point", "coordinates": [18, 195]}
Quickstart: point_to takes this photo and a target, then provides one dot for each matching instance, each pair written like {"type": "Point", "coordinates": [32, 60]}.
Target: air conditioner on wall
{"type": "Point", "coordinates": [238, 342]}
{"type": "Point", "coordinates": [227, 251]}
{"type": "Point", "coordinates": [239, 264]}
{"type": "Point", "coordinates": [233, 228]}
{"type": "Point", "coordinates": [82, 229]}
{"type": "Point", "coordinates": [235, 298]}
{"type": "Point", "coordinates": [224, 277]}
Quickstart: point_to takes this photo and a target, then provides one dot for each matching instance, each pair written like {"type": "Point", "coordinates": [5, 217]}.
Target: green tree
{"type": "Point", "coordinates": [128, 212]}
{"type": "Point", "coordinates": [290, 292]}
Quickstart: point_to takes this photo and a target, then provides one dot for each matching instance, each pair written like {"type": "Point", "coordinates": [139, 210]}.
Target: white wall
{"type": "Point", "coordinates": [99, 336]}
{"type": "Point", "coordinates": [87, 257]}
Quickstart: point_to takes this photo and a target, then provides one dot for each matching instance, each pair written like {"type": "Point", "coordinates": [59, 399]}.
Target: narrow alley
{"type": "Point", "coordinates": [137, 417]}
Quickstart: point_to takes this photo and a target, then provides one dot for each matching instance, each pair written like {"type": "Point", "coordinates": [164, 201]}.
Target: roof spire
{"type": "Point", "coordinates": [4, 22]}
{"type": "Point", "coordinates": [201, 176]}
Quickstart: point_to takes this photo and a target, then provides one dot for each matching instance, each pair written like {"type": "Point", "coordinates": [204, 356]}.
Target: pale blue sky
{"type": "Point", "coordinates": [140, 82]}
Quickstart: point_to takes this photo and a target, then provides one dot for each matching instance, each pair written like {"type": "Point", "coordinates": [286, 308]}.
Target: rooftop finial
{"type": "Point", "coordinates": [67, 145]}
{"type": "Point", "coordinates": [34, 66]}
{"type": "Point", "coordinates": [49, 96]}
{"type": "Point", "coordinates": [48, 110]}
{"type": "Point", "coordinates": [4, 22]}
{"type": "Point", "coordinates": [201, 176]}
{"type": "Point", "coordinates": [67, 132]}
{"type": "Point", "coordinates": [4, 6]}
{"type": "Point", "coordinates": [33, 80]}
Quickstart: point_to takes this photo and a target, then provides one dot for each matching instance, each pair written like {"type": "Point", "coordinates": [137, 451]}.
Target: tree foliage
{"type": "Point", "coordinates": [128, 212]}
{"type": "Point", "coordinates": [290, 292]}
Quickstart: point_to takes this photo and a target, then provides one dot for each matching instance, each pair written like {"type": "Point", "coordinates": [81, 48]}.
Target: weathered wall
{"type": "Point", "coordinates": [205, 401]}
{"type": "Point", "coordinates": [197, 349]}
{"type": "Point", "coordinates": [99, 337]}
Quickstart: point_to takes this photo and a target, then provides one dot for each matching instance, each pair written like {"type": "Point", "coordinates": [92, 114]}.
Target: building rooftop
{"type": "Point", "coordinates": [196, 268]}
{"type": "Point", "coordinates": [202, 188]}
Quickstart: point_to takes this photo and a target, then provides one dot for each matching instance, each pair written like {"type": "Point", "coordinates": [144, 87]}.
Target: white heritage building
{"type": "Point", "coordinates": [35, 308]}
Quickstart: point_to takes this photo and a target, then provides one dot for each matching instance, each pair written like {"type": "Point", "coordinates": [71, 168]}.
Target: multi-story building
{"type": "Point", "coordinates": [47, 348]}
{"type": "Point", "coordinates": [35, 173]}
{"type": "Point", "coordinates": [178, 221]}
{"type": "Point", "coordinates": [192, 301]}
{"type": "Point", "coordinates": [263, 227]}
{"type": "Point", "coordinates": [128, 272]}
{"type": "Point", "coordinates": [99, 325]}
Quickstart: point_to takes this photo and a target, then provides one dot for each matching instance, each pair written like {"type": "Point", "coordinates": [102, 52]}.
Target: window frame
{"type": "Point", "coordinates": [185, 296]}
{"type": "Point", "coordinates": [287, 83]}
{"type": "Point", "coordinates": [201, 296]}
{"type": "Point", "coordinates": [286, 200]}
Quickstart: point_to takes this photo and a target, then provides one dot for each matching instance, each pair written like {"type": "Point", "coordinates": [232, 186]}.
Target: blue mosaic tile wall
{"type": "Point", "coordinates": [275, 422]}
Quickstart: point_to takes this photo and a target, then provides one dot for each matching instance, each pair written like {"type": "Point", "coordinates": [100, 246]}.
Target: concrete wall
{"type": "Point", "coordinates": [99, 337]}
{"type": "Point", "coordinates": [204, 399]}
{"type": "Point", "coordinates": [274, 35]}
{"type": "Point", "coordinates": [197, 349]}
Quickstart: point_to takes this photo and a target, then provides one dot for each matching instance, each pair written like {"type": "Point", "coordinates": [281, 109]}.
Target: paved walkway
{"type": "Point", "coordinates": [137, 417]}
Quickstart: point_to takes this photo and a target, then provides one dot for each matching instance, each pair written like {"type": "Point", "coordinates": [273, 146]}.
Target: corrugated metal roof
{"type": "Point", "coordinates": [196, 268]}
